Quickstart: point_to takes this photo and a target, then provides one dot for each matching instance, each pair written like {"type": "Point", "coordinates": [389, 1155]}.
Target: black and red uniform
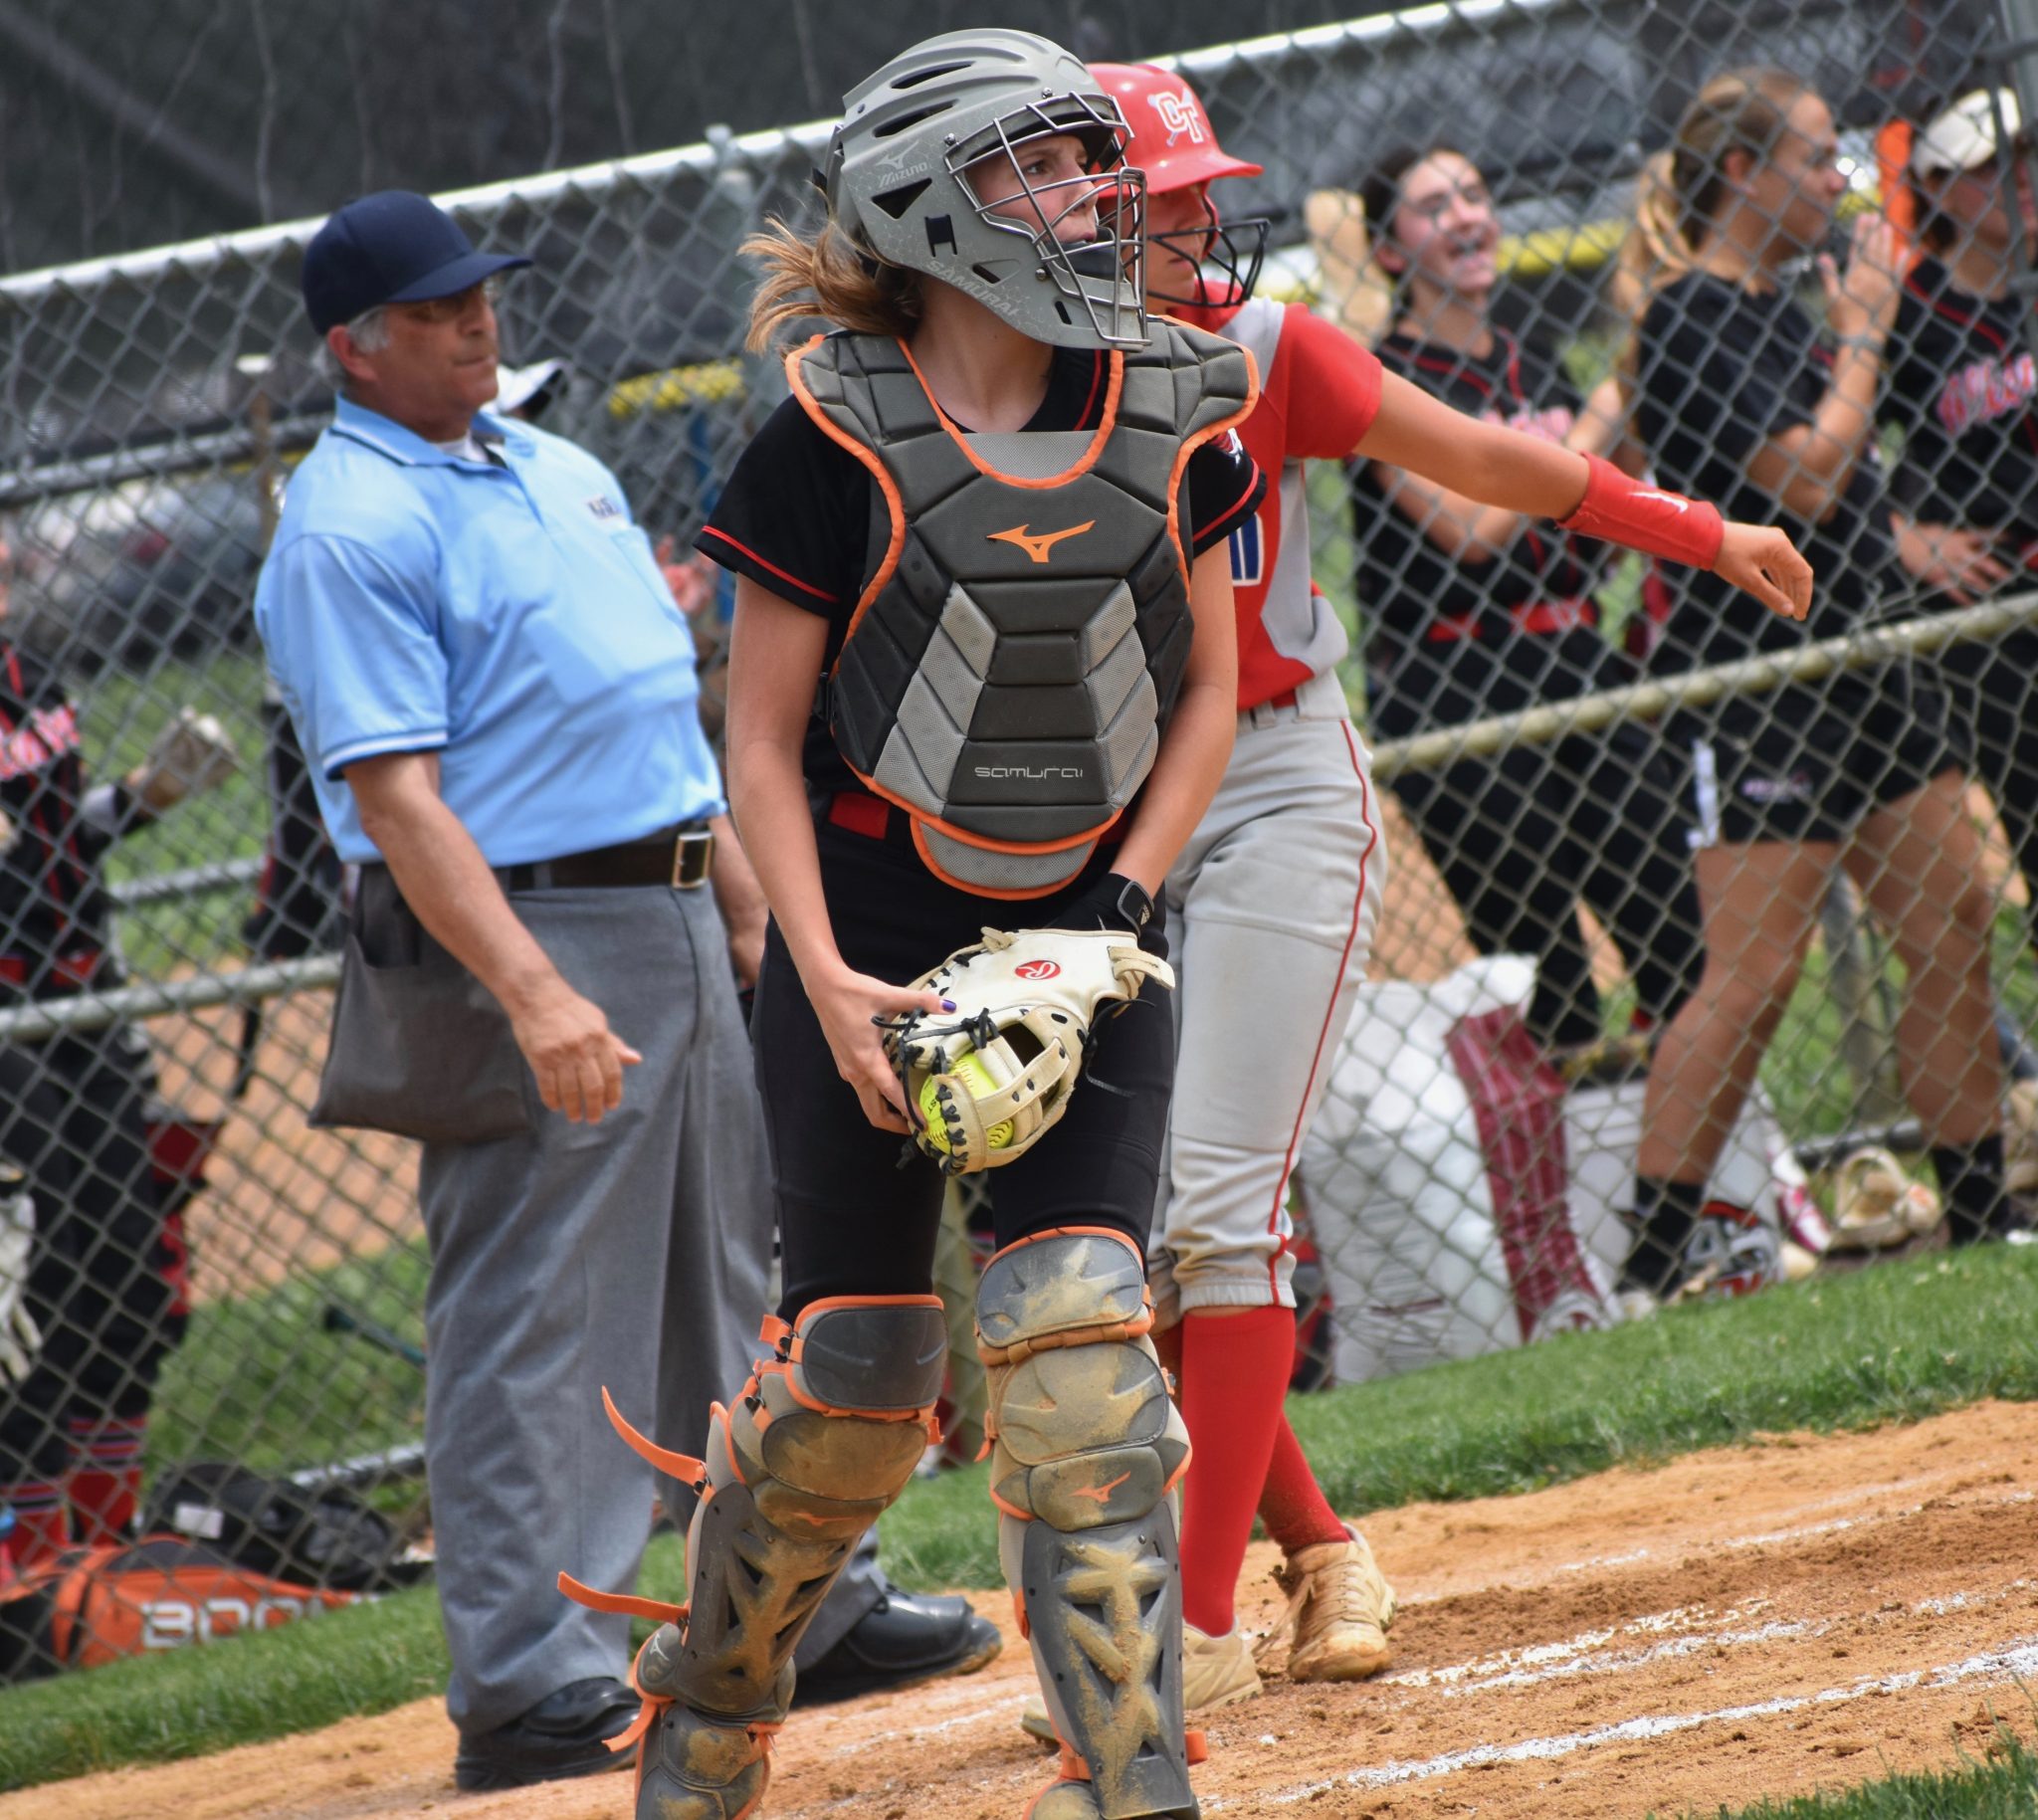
{"type": "Point", "coordinates": [795, 517]}
{"type": "Point", "coordinates": [75, 1110]}
{"type": "Point", "coordinates": [1961, 384]}
{"type": "Point", "coordinates": [1722, 372]}
{"type": "Point", "coordinates": [1524, 837]}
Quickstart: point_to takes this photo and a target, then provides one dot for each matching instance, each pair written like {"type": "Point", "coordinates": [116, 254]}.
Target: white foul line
{"type": "Point", "coordinates": [2019, 1661]}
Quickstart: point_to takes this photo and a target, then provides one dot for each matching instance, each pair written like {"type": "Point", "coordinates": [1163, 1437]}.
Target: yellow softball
{"type": "Point", "coordinates": [971, 1070]}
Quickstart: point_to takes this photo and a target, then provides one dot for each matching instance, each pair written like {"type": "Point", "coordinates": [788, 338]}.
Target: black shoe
{"type": "Point", "coordinates": [907, 1637]}
{"type": "Point", "coordinates": [564, 1734]}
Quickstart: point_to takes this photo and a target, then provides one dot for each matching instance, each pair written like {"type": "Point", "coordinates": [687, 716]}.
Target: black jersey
{"type": "Point", "coordinates": [1961, 385]}
{"type": "Point", "coordinates": [50, 901]}
{"type": "Point", "coordinates": [795, 515]}
{"type": "Point", "coordinates": [1449, 639]}
{"type": "Point", "coordinates": [1723, 370]}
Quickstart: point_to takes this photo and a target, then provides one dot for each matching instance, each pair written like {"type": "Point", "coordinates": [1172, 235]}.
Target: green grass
{"type": "Point", "coordinates": [1818, 1356]}
{"type": "Point", "coordinates": [2003, 1787]}
{"type": "Point", "coordinates": [260, 1379]}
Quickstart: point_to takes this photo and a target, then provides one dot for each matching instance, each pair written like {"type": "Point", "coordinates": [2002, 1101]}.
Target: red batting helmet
{"type": "Point", "coordinates": [1173, 141]}
{"type": "Point", "coordinates": [1173, 144]}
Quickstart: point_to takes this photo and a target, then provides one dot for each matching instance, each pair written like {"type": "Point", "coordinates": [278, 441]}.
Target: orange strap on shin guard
{"type": "Point", "coordinates": [683, 1467]}
{"type": "Point", "coordinates": [629, 1604]}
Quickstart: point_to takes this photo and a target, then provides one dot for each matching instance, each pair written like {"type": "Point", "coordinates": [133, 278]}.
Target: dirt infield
{"type": "Point", "coordinates": [1769, 1620]}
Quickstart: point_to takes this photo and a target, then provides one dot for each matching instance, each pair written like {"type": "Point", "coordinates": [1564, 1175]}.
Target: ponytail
{"type": "Point", "coordinates": [828, 276]}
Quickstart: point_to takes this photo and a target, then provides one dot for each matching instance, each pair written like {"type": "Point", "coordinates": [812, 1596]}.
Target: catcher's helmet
{"type": "Point", "coordinates": [897, 181]}
{"type": "Point", "coordinates": [1173, 142]}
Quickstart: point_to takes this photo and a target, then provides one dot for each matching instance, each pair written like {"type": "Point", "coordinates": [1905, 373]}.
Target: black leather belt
{"type": "Point", "coordinates": [680, 858]}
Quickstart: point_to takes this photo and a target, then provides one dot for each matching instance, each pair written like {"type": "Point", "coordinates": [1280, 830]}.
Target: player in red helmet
{"type": "Point", "coordinates": [1280, 884]}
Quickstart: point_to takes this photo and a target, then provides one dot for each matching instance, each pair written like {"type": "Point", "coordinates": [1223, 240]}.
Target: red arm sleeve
{"type": "Point", "coordinates": [1330, 384]}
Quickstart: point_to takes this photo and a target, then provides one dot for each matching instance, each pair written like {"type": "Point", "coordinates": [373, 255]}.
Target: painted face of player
{"type": "Point", "coordinates": [1797, 187]}
{"type": "Point", "coordinates": [438, 366]}
{"type": "Point", "coordinates": [1444, 235]}
{"type": "Point", "coordinates": [1045, 184]}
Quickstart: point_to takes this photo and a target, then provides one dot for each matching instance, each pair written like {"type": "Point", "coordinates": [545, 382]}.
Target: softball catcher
{"type": "Point", "coordinates": [981, 675]}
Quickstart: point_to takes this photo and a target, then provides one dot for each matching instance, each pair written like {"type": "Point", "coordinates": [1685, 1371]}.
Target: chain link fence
{"type": "Point", "coordinates": [189, 1274]}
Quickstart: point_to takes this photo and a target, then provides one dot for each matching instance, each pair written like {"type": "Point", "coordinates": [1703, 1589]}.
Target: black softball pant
{"type": "Point", "coordinates": [73, 1119]}
{"type": "Point", "coordinates": [858, 1208]}
{"type": "Point", "coordinates": [1522, 839]}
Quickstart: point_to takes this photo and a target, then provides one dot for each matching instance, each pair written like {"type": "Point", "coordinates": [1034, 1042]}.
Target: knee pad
{"type": "Point", "coordinates": [1086, 1445]}
{"type": "Point", "coordinates": [826, 1433]}
{"type": "Point", "coordinates": [1082, 1430]}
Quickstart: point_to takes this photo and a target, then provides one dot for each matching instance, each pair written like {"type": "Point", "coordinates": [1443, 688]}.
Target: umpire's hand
{"type": "Point", "coordinates": [578, 1058]}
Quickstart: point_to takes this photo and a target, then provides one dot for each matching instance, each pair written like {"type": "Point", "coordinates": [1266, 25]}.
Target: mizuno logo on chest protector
{"type": "Point", "coordinates": [1037, 546]}
{"type": "Point", "coordinates": [1012, 700]}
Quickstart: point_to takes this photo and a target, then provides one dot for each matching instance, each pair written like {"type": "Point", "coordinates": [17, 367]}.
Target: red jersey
{"type": "Point", "coordinates": [1320, 391]}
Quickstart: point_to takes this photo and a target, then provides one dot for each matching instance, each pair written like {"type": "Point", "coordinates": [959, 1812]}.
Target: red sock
{"type": "Point", "coordinates": [1234, 1374]}
{"type": "Point", "coordinates": [104, 1481]}
{"type": "Point", "coordinates": [1292, 1506]}
{"type": "Point", "coordinates": [41, 1528]}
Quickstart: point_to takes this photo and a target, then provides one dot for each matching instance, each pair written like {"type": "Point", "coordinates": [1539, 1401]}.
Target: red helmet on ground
{"type": "Point", "coordinates": [1173, 144]}
{"type": "Point", "coordinates": [1173, 141]}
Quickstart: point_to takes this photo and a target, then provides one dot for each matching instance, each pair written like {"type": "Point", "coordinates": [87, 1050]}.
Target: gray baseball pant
{"type": "Point", "coordinates": [632, 1253]}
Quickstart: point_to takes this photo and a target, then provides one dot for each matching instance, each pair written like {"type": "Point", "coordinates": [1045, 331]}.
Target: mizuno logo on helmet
{"type": "Point", "coordinates": [1037, 548]}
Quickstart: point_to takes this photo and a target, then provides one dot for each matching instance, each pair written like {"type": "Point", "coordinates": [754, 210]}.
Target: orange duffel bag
{"type": "Point", "coordinates": [89, 1606]}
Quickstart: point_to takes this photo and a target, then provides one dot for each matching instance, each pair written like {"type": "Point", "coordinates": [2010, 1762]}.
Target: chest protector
{"type": "Point", "coordinates": [1022, 630]}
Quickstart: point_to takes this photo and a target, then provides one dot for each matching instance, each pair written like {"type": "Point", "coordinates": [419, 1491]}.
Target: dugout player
{"type": "Point", "coordinates": [1961, 385]}
{"type": "Point", "coordinates": [1740, 396]}
{"type": "Point", "coordinates": [1478, 611]}
{"type": "Point", "coordinates": [101, 1291]}
{"type": "Point", "coordinates": [497, 692]}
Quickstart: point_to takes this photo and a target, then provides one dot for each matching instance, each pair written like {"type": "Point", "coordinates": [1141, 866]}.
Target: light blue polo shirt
{"type": "Point", "coordinates": [511, 618]}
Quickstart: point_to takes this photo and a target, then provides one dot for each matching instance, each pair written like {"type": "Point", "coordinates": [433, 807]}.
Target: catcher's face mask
{"type": "Point", "coordinates": [1064, 189]}
{"type": "Point", "coordinates": [938, 167]}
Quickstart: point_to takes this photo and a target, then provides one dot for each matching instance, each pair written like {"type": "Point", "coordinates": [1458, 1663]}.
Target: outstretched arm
{"type": "Point", "coordinates": [1500, 467]}
{"type": "Point", "coordinates": [1470, 531]}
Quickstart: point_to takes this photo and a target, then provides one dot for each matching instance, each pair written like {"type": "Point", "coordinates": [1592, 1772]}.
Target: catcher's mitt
{"type": "Point", "coordinates": [992, 1077]}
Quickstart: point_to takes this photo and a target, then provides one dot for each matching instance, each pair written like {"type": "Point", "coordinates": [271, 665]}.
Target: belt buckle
{"type": "Point", "coordinates": [692, 856]}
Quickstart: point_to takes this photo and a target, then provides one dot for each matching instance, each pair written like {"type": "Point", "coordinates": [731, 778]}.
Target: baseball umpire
{"type": "Point", "coordinates": [497, 694]}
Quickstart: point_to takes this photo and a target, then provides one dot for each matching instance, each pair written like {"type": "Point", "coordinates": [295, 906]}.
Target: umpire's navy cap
{"type": "Point", "coordinates": [394, 247]}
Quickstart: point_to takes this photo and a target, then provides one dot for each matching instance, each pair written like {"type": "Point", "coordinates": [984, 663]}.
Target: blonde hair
{"type": "Point", "coordinates": [1742, 110]}
{"type": "Point", "coordinates": [1677, 191]}
{"type": "Point", "coordinates": [826, 274]}
{"type": "Point", "coordinates": [1655, 251]}
{"type": "Point", "coordinates": [1355, 289]}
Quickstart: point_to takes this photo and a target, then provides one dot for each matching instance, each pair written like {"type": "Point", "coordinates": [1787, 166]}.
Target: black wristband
{"type": "Point", "coordinates": [1134, 902]}
{"type": "Point", "coordinates": [1113, 902]}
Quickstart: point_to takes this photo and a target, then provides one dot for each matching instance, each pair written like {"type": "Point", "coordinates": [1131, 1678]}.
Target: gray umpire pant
{"type": "Point", "coordinates": [631, 1255]}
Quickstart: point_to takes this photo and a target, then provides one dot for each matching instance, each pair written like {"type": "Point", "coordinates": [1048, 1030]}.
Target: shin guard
{"type": "Point", "coordinates": [1086, 1445]}
{"type": "Point", "coordinates": [825, 1435]}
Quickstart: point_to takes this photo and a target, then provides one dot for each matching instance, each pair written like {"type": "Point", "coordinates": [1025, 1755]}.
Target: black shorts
{"type": "Point", "coordinates": [853, 1219]}
{"type": "Point", "coordinates": [1809, 762]}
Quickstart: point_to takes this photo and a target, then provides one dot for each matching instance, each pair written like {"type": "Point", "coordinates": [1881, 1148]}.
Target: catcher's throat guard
{"type": "Point", "coordinates": [986, 1083]}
